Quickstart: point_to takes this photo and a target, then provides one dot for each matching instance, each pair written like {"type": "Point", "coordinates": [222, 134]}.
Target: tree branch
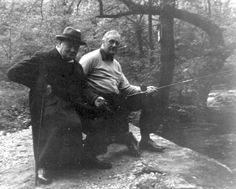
{"type": "Point", "coordinates": [70, 7]}
{"type": "Point", "coordinates": [214, 32]}
{"type": "Point", "coordinates": [118, 15]}
{"type": "Point", "coordinates": [41, 10]}
{"type": "Point", "coordinates": [77, 6]}
{"type": "Point", "coordinates": [100, 7]}
{"type": "Point", "coordinates": [128, 3]}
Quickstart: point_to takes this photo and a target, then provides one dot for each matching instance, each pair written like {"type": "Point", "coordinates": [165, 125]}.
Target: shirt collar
{"type": "Point", "coordinates": [105, 56]}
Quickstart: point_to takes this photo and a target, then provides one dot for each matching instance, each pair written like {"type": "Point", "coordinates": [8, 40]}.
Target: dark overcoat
{"type": "Point", "coordinates": [53, 116]}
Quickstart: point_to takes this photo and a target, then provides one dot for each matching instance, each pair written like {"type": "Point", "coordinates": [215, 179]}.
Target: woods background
{"type": "Point", "coordinates": [163, 42]}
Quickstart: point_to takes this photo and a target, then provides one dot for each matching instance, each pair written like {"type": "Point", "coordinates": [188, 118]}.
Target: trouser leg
{"type": "Point", "coordinates": [135, 103]}
{"type": "Point", "coordinates": [144, 126]}
{"type": "Point", "coordinates": [71, 150]}
{"type": "Point", "coordinates": [118, 123]}
{"type": "Point", "coordinates": [147, 103]}
{"type": "Point", "coordinates": [119, 133]}
{"type": "Point", "coordinates": [94, 144]}
{"type": "Point", "coordinates": [96, 139]}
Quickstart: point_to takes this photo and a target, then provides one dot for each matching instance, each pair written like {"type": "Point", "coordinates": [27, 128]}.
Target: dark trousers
{"type": "Point", "coordinates": [113, 125]}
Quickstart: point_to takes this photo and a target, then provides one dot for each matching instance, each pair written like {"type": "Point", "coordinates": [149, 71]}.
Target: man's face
{"type": "Point", "coordinates": [110, 46]}
{"type": "Point", "coordinates": [68, 49]}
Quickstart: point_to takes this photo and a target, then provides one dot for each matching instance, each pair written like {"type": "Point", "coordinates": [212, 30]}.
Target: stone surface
{"type": "Point", "coordinates": [175, 168]}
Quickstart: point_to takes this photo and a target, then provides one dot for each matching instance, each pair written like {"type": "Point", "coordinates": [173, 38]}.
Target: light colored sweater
{"type": "Point", "coordinates": [106, 76]}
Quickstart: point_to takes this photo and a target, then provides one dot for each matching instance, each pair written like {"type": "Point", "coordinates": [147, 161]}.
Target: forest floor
{"type": "Point", "coordinates": [176, 167]}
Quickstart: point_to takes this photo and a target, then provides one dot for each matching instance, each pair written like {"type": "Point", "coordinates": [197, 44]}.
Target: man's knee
{"type": "Point", "coordinates": [94, 125]}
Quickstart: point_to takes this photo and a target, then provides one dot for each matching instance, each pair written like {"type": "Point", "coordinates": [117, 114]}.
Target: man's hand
{"type": "Point", "coordinates": [100, 101]}
{"type": "Point", "coordinates": [151, 89]}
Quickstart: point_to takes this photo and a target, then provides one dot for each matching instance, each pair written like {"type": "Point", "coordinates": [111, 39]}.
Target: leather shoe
{"type": "Point", "coordinates": [132, 145]}
{"type": "Point", "coordinates": [150, 145]}
{"type": "Point", "coordinates": [44, 177]}
{"type": "Point", "coordinates": [94, 163]}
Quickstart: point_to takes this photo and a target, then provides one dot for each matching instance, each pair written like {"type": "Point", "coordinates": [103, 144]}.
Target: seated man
{"type": "Point", "coordinates": [105, 78]}
{"type": "Point", "coordinates": [57, 86]}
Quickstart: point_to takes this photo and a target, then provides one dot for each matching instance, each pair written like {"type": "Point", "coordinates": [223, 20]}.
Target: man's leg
{"type": "Point", "coordinates": [113, 125]}
{"type": "Point", "coordinates": [71, 150]}
{"type": "Point", "coordinates": [119, 129]}
{"type": "Point", "coordinates": [144, 102]}
{"type": "Point", "coordinates": [95, 143]}
{"type": "Point", "coordinates": [146, 142]}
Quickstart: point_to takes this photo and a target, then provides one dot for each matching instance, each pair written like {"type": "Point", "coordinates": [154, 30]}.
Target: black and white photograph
{"type": "Point", "coordinates": [118, 94]}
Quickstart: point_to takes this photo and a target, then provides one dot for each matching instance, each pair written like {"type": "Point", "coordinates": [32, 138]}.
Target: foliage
{"type": "Point", "coordinates": [193, 51]}
{"type": "Point", "coordinates": [29, 26]}
{"type": "Point", "coordinates": [14, 110]}
{"type": "Point", "coordinates": [186, 113]}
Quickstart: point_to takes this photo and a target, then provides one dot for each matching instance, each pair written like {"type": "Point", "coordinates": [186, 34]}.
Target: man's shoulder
{"type": "Point", "coordinates": [92, 55]}
{"type": "Point", "coordinates": [46, 57]}
{"type": "Point", "coordinates": [38, 56]}
{"type": "Point", "coordinates": [47, 53]}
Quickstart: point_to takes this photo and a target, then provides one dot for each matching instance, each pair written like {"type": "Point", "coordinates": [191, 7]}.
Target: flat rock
{"type": "Point", "coordinates": [175, 168]}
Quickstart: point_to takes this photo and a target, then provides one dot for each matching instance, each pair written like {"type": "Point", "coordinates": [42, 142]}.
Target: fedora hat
{"type": "Point", "coordinates": [71, 34]}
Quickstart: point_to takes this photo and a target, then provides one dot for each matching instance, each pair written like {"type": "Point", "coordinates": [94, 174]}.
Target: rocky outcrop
{"type": "Point", "coordinates": [175, 168]}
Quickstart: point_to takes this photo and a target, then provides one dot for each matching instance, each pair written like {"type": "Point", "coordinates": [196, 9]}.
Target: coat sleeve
{"type": "Point", "coordinates": [25, 72]}
{"type": "Point", "coordinates": [87, 93]}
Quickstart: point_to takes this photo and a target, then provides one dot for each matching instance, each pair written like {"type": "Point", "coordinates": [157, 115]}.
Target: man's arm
{"type": "Point", "coordinates": [87, 63]}
{"type": "Point", "coordinates": [126, 88]}
{"type": "Point", "coordinates": [90, 61]}
{"type": "Point", "coordinates": [129, 89]}
{"type": "Point", "coordinates": [25, 72]}
{"type": "Point", "coordinates": [87, 93]}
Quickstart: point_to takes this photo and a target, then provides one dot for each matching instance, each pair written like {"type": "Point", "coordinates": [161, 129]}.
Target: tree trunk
{"type": "Point", "coordinates": [209, 8]}
{"type": "Point", "coordinates": [214, 32]}
{"type": "Point", "coordinates": [151, 44]}
{"type": "Point", "coordinates": [10, 45]}
{"type": "Point", "coordinates": [138, 33]}
{"type": "Point", "coordinates": [167, 50]}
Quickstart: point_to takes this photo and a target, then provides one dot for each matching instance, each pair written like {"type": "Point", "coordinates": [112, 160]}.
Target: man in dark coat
{"type": "Point", "coordinates": [58, 86]}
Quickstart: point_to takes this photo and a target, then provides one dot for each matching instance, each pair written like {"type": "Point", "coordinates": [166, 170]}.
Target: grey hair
{"type": "Point", "coordinates": [111, 34]}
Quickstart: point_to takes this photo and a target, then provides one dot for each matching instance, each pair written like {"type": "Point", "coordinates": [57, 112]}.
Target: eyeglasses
{"type": "Point", "coordinates": [112, 42]}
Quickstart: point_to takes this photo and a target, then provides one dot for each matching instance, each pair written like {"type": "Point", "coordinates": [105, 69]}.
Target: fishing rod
{"type": "Point", "coordinates": [196, 79]}
{"type": "Point", "coordinates": [144, 88]}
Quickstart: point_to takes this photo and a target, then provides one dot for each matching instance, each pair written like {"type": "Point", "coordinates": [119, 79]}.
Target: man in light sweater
{"type": "Point", "coordinates": [106, 79]}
